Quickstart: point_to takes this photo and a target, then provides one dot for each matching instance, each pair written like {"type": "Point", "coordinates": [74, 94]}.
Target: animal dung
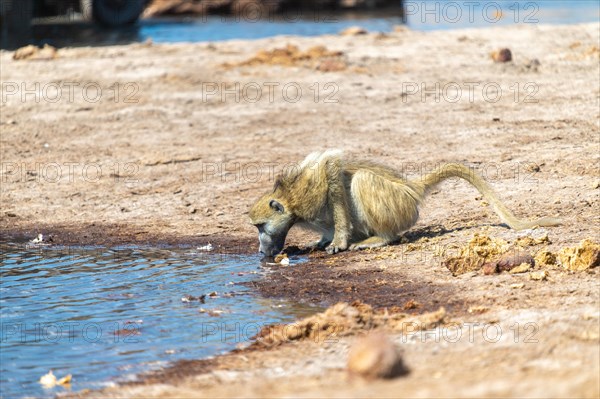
{"type": "Point", "coordinates": [582, 257]}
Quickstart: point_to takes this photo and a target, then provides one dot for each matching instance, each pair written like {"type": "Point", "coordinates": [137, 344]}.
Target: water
{"type": "Point", "coordinates": [420, 15]}
{"type": "Point", "coordinates": [227, 28]}
{"type": "Point", "coordinates": [104, 314]}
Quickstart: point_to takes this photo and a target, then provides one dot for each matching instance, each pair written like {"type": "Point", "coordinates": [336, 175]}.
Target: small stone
{"type": "Point", "coordinates": [502, 55]}
{"type": "Point", "coordinates": [490, 268]}
{"type": "Point", "coordinates": [539, 275]}
{"type": "Point", "coordinates": [375, 356]}
{"type": "Point", "coordinates": [510, 261]}
{"type": "Point", "coordinates": [517, 286]}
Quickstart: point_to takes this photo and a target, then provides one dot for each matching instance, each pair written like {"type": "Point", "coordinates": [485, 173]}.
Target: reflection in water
{"type": "Point", "coordinates": [105, 314]}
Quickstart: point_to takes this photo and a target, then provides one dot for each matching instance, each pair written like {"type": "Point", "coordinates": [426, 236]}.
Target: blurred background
{"type": "Point", "coordinates": [102, 22]}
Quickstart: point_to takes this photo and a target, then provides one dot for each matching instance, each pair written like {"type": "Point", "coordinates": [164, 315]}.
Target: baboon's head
{"type": "Point", "coordinates": [273, 220]}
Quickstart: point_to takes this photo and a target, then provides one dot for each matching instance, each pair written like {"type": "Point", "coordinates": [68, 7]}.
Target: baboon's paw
{"type": "Point", "coordinates": [336, 247]}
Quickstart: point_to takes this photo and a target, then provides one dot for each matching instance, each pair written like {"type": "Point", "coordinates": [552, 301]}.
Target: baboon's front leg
{"type": "Point", "coordinates": [336, 196]}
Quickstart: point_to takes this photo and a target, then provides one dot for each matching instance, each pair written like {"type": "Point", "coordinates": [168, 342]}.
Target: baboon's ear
{"type": "Point", "coordinates": [276, 206]}
{"type": "Point", "coordinates": [278, 183]}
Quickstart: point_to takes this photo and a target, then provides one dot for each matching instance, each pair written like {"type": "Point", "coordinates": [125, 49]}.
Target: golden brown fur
{"type": "Point", "coordinates": [356, 204]}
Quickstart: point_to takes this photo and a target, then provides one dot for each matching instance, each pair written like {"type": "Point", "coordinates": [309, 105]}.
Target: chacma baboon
{"type": "Point", "coordinates": [356, 204]}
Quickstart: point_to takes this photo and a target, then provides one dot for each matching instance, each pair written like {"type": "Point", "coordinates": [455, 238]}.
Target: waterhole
{"type": "Point", "coordinates": [104, 315]}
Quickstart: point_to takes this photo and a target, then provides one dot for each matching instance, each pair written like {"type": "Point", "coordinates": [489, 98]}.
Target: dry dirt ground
{"type": "Point", "coordinates": [170, 143]}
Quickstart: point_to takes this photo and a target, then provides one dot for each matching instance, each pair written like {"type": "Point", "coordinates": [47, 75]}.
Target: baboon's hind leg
{"type": "Point", "coordinates": [371, 242]}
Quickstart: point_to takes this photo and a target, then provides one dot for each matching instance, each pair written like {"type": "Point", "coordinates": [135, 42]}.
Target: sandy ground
{"type": "Point", "coordinates": [169, 143]}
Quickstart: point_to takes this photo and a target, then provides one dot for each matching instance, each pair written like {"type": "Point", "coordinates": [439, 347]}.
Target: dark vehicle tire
{"type": "Point", "coordinates": [15, 18]}
{"type": "Point", "coordinates": [117, 12]}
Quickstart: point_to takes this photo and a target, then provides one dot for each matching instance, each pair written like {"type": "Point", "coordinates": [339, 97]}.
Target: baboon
{"type": "Point", "coordinates": [356, 204]}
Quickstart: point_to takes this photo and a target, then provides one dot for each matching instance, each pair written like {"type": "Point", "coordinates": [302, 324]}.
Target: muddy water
{"type": "Point", "coordinates": [105, 314]}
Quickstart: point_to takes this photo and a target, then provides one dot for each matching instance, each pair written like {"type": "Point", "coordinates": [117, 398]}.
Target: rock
{"type": "Point", "coordinates": [540, 275]}
{"type": "Point", "coordinates": [375, 356]}
{"type": "Point", "coordinates": [490, 268]}
{"type": "Point", "coordinates": [511, 262]}
{"type": "Point", "coordinates": [515, 262]}
{"type": "Point", "coordinates": [502, 55]}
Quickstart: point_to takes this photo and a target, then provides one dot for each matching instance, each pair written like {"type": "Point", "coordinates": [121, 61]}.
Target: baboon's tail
{"type": "Point", "coordinates": [457, 170]}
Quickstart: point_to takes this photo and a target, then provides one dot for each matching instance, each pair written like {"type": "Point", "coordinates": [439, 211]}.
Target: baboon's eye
{"type": "Point", "coordinates": [276, 206]}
